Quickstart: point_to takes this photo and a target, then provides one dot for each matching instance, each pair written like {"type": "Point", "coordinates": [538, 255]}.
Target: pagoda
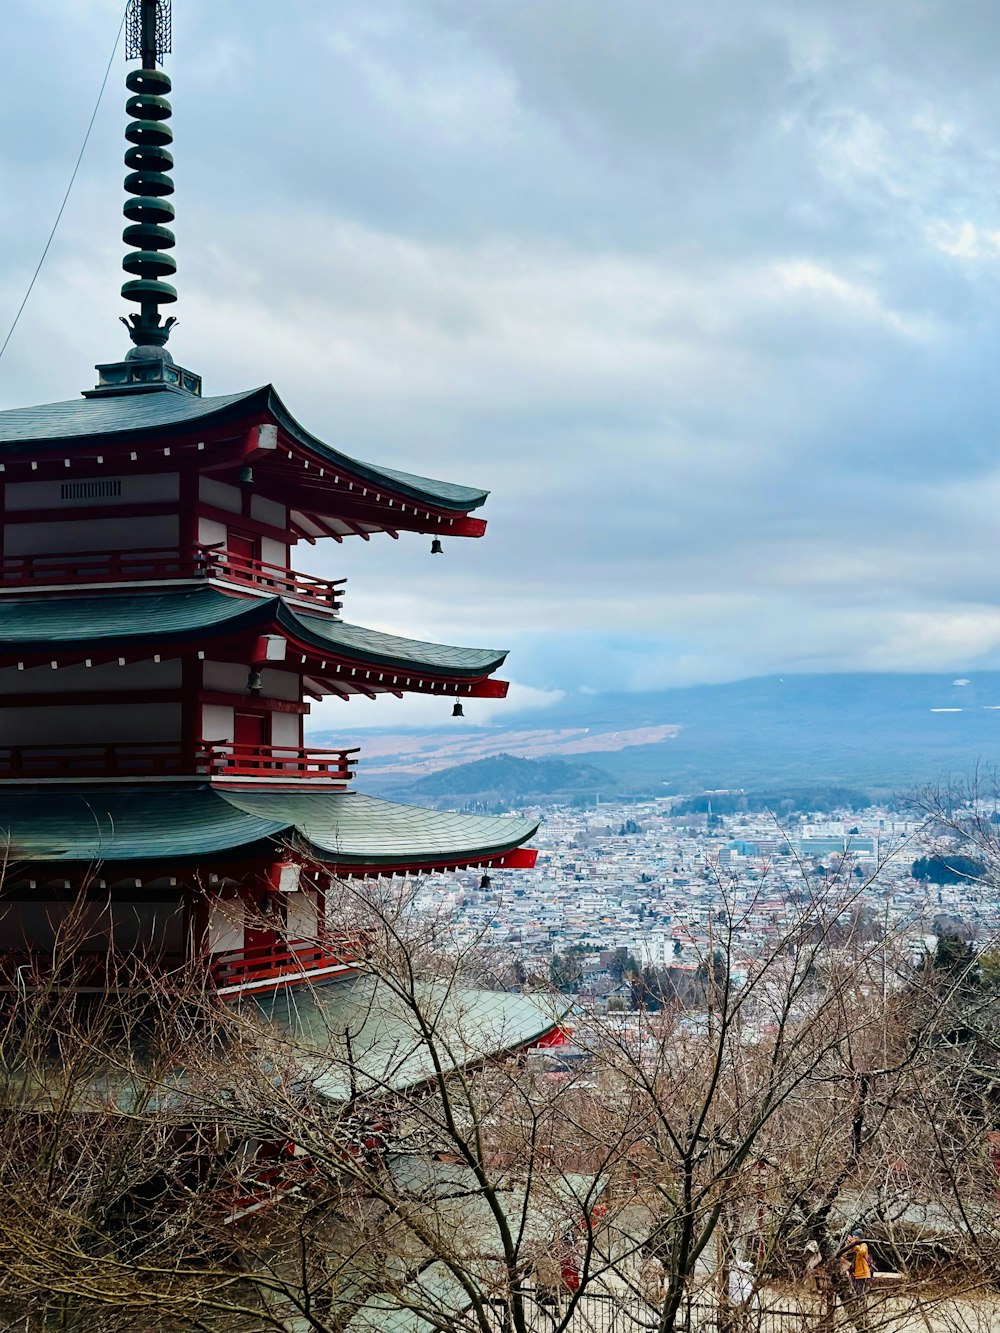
{"type": "Point", "coordinates": [159, 653]}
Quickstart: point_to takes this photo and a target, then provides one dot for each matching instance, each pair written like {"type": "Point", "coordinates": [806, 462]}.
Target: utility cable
{"type": "Point", "coordinates": [69, 187]}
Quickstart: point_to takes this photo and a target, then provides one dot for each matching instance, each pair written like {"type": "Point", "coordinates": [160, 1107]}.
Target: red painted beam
{"type": "Point", "coordinates": [520, 858]}
{"type": "Point", "coordinates": [464, 527]}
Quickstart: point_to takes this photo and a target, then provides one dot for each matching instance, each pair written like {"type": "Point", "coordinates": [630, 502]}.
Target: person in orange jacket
{"type": "Point", "coordinates": [859, 1269]}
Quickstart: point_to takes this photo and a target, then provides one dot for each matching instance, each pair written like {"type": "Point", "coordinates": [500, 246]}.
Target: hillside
{"type": "Point", "coordinates": [867, 729]}
{"type": "Point", "coordinates": [504, 779]}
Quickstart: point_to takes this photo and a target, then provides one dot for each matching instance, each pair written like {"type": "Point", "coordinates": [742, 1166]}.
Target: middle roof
{"type": "Point", "coordinates": [30, 627]}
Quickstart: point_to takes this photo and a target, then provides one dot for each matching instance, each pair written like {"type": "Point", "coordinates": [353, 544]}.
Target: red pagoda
{"type": "Point", "coordinates": [159, 652]}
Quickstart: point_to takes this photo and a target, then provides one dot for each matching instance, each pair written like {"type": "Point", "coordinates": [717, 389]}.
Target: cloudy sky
{"type": "Point", "coordinates": [706, 292]}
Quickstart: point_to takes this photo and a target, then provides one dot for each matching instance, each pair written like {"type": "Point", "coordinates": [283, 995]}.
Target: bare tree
{"type": "Point", "coordinates": [390, 1147]}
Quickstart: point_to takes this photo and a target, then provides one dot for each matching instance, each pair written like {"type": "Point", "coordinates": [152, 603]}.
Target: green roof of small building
{"type": "Point", "coordinates": [145, 417]}
{"type": "Point", "coordinates": [30, 625]}
{"type": "Point", "coordinates": [94, 822]}
{"type": "Point", "coordinates": [454, 1216]}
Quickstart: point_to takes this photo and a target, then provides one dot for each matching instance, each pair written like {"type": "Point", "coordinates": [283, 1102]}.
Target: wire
{"type": "Point", "coordinates": [69, 187]}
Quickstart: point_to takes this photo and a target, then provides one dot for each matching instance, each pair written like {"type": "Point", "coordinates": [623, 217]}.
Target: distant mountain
{"type": "Point", "coordinates": [504, 779]}
{"type": "Point", "coordinates": [878, 731]}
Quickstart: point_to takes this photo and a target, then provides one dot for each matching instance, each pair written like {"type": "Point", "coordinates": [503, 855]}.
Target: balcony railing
{"type": "Point", "coordinates": [121, 759]}
{"type": "Point", "coordinates": [25, 571]}
{"type": "Point", "coordinates": [286, 961]}
{"type": "Point", "coordinates": [281, 761]}
{"type": "Point", "coordinates": [168, 759]}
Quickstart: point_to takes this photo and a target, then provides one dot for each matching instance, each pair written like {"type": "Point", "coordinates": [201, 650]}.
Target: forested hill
{"type": "Point", "coordinates": [505, 779]}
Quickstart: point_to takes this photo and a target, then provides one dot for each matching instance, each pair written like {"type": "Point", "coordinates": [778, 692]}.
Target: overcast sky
{"type": "Point", "coordinates": [706, 292]}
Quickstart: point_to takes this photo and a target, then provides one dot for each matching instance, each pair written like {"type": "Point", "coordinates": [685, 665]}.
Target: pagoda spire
{"type": "Point", "coordinates": [149, 181]}
{"type": "Point", "coordinates": [148, 210]}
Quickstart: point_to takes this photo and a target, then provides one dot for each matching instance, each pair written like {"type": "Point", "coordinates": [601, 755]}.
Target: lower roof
{"type": "Point", "coordinates": [361, 1035]}
{"type": "Point", "coordinates": [90, 822]}
{"type": "Point", "coordinates": [364, 1035]}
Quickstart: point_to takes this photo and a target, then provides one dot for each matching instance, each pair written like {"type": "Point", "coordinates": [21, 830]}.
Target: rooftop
{"type": "Point", "coordinates": [141, 418]}
{"type": "Point", "coordinates": [88, 823]}
{"type": "Point", "coordinates": [180, 614]}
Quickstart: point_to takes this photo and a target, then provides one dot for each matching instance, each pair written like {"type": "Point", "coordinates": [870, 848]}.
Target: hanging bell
{"type": "Point", "coordinates": [486, 882]}
{"type": "Point", "coordinates": [458, 710]}
{"type": "Point", "coordinates": [246, 475]}
{"type": "Point", "coordinates": [436, 547]}
{"type": "Point", "coordinates": [255, 681]}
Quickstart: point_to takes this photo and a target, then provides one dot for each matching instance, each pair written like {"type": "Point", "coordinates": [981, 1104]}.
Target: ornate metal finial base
{"type": "Point", "coordinates": [144, 370]}
{"type": "Point", "coordinates": [152, 36]}
{"type": "Point", "coordinates": [146, 330]}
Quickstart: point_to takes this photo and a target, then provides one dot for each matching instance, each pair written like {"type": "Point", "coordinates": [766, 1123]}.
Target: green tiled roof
{"type": "Point", "coordinates": [387, 1051]}
{"type": "Point", "coordinates": [373, 645]}
{"type": "Point", "coordinates": [90, 418]}
{"type": "Point", "coordinates": [361, 830]}
{"type": "Point", "coordinates": [180, 614]}
{"type": "Point", "coordinates": [28, 624]}
{"type": "Point", "coordinates": [138, 823]}
{"type": "Point", "coordinates": [309, 1025]}
{"type": "Point", "coordinates": [94, 822]}
{"type": "Point", "coordinates": [145, 416]}
{"type": "Point", "coordinates": [436, 1291]}
{"type": "Point", "coordinates": [451, 1206]}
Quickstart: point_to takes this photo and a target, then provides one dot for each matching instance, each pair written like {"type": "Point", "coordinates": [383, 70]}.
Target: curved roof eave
{"type": "Point", "coordinates": [375, 646]}
{"type": "Point", "coordinates": [348, 828]}
{"type": "Point", "coordinates": [442, 494]}
{"type": "Point", "coordinates": [145, 415]}
{"type": "Point", "coordinates": [100, 824]}
{"type": "Point", "coordinates": [97, 824]}
{"type": "Point", "coordinates": [175, 616]}
{"type": "Point", "coordinates": [185, 614]}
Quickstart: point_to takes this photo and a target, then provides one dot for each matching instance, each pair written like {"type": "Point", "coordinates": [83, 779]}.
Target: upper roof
{"type": "Point", "coordinates": [142, 417]}
{"type": "Point", "coordinates": [128, 414]}
{"type": "Point", "coordinates": [91, 823]}
{"type": "Point", "coordinates": [30, 624]}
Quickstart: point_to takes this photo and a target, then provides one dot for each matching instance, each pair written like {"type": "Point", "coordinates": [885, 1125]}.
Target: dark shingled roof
{"type": "Point", "coordinates": [144, 416]}
{"type": "Point", "coordinates": [29, 625]}
{"type": "Point", "coordinates": [148, 822]}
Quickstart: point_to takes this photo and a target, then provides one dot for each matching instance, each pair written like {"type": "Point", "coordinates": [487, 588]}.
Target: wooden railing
{"type": "Point", "coordinates": [23, 571]}
{"type": "Point", "coordinates": [248, 573]}
{"type": "Point", "coordinates": [264, 761]}
{"type": "Point", "coordinates": [120, 759]}
{"type": "Point", "coordinates": [241, 968]}
{"type": "Point", "coordinates": [166, 759]}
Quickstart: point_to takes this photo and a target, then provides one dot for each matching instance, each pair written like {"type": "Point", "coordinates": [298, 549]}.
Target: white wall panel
{"type": "Point", "coordinates": [225, 925]}
{"type": "Point", "coordinates": [285, 729]}
{"type": "Point", "coordinates": [268, 511]}
{"type": "Point", "coordinates": [66, 724]}
{"type": "Point", "coordinates": [219, 494]}
{"type": "Point", "coordinates": [53, 494]}
{"type": "Point", "coordinates": [232, 677]}
{"type": "Point", "coordinates": [98, 535]}
{"type": "Point", "coordinates": [211, 532]}
{"type": "Point", "coordinates": [302, 915]}
{"type": "Point", "coordinates": [217, 722]}
{"type": "Point", "coordinates": [273, 552]}
{"type": "Point", "coordinates": [108, 676]}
